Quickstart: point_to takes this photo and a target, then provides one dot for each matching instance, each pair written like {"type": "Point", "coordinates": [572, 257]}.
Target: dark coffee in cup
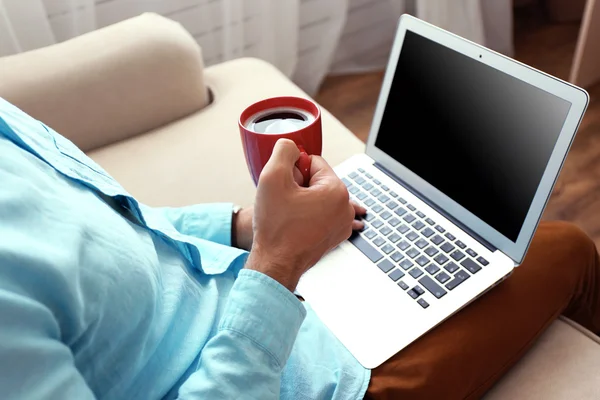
{"type": "Point", "coordinates": [279, 120]}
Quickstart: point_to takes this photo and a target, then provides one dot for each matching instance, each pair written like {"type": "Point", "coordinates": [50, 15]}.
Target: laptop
{"type": "Point", "coordinates": [464, 150]}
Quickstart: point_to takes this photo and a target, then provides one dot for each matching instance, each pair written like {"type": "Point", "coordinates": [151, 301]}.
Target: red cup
{"type": "Point", "coordinates": [263, 123]}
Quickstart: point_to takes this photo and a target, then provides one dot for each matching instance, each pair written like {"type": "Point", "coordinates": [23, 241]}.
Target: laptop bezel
{"type": "Point", "coordinates": [576, 96]}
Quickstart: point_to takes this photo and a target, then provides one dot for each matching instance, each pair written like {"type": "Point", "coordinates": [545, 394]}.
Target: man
{"type": "Point", "coordinates": [103, 297]}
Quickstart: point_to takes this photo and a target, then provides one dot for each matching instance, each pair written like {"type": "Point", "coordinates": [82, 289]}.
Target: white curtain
{"type": "Point", "coordinates": [306, 39]}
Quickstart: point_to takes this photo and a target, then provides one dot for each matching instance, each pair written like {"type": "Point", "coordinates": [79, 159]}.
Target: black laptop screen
{"type": "Point", "coordinates": [478, 135]}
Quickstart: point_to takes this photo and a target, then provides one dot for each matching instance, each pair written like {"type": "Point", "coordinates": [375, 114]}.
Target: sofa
{"type": "Point", "coordinates": [137, 99]}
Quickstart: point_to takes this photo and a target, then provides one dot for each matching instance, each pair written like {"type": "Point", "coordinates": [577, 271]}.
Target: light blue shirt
{"type": "Point", "coordinates": [102, 297]}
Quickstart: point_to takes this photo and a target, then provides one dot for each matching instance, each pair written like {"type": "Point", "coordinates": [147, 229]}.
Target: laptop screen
{"type": "Point", "coordinates": [480, 136]}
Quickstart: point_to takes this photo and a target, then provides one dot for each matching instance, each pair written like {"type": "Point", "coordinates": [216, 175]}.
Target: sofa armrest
{"type": "Point", "coordinates": [109, 84]}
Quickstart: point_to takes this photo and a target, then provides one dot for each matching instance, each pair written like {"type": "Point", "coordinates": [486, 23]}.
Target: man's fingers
{"type": "Point", "coordinates": [358, 210]}
{"type": "Point", "coordinates": [358, 225]}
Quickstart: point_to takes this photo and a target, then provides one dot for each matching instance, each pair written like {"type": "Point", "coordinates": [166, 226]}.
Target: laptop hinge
{"type": "Point", "coordinates": [481, 240]}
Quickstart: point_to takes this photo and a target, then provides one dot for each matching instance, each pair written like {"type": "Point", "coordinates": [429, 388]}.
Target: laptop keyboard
{"type": "Point", "coordinates": [407, 245]}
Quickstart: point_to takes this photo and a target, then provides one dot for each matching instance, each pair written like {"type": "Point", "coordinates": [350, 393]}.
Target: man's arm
{"type": "Point", "coordinates": [245, 359]}
{"type": "Point", "coordinates": [294, 227]}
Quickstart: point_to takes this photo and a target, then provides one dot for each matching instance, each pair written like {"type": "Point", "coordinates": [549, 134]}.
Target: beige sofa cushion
{"type": "Point", "coordinates": [109, 84]}
{"type": "Point", "coordinates": [200, 158]}
{"type": "Point", "coordinates": [563, 364]}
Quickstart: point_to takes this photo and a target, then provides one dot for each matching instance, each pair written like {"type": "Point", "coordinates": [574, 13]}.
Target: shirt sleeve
{"type": "Point", "coordinates": [245, 359]}
{"type": "Point", "coordinates": [34, 363]}
{"type": "Point", "coordinates": [211, 221]}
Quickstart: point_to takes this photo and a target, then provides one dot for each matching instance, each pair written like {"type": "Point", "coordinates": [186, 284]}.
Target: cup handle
{"type": "Point", "coordinates": [303, 165]}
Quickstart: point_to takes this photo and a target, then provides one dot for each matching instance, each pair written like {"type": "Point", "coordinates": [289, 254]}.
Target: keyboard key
{"type": "Point", "coordinates": [422, 260]}
{"type": "Point", "coordinates": [403, 245]}
{"type": "Point", "coordinates": [412, 252]}
{"type": "Point", "coordinates": [432, 269]}
{"type": "Point", "coordinates": [442, 277]}
{"type": "Point", "coordinates": [369, 176]}
{"type": "Point", "coordinates": [353, 189]}
{"type": "Point", "coordinates": [450, 236]}
{"type": "Point", "coordinates": [377, 182]}
{"type": "Point", "coordinates": [439, 229]}
{"type": "Point", "coordinates": [409, 218]}
{"type": "Point", "coordinates": [470, 265]}
{"type": "Point", "coordinates": [376, 223]}
{"type": "Point", "coordinates": [391, 204]}
{"type": "Point", "coordinates": [437, 239]}
{"type": "Point", "coordinates": [412, 236]}
{"type": "Point", "coordinates": [400, 211]}
{"type": "Point", "coordinates": [394, 194]}
{"type": "Point", "coordinates": [375, 192]}
{"type": "Point", "coordinates": [377, 208]}
{"type": "Point", "coordinates": [367, 186]}
{"type": "Point", "coordinates": [457, 255]}
{"type": "Point", "coordinates": [396, 274]}
{"type": "Point", "coordinates": [360, 180]}
{"type": "Point", "coordinates": [394, 222]}
{"type": "Point", "coordinates": [346, 182]}
{"type": "Point", "coordinates": [427, 232]}
{"type": "Point", "coordinates": [432, 287]}
{"type": "Point", "coordinates": [361, 196]}
{"type": "Point", "coordinates": [386, 266]}
{"type": "Point", "coordinates": [385, 230]}
{"type": "Point", "coordinates": [483, 261]}
{"type": "Point", "coordinates": [402, 285]}
{"type": "Point", "coordinates": [361, 170]}
{"type": "Point", "coordinates": [411, 207]}
{"type": "Point", "coordinates": [385, 215]}
{"type": "Point", "coordinates": [385, 188]}
{"type": "Point", "coordinates": [451, 267]}
{"type": "Point", "coordinates": [397, 256]}
{"type": "Point", "coordinates": [369, 217]}
{"type": "Point", "coordinates": [388, 248]}
{"type": "Point", "coordinates": [403, 228]}
{"type": "Point", "coordinates": [471, 252]}
{"type": "Point", "coordinates": [421, 243]}
{"type": "Point", "coordinates": [460, 244]}
{"type": "Point", "coordinates": [430, 221]}
{"type": "Point", "coordinates": [383, 198]}
{"type": "Point", "coordinates": [447, 247]}
{"type": "Point", "coordinates": [401, 200]}
{"type": "Point", "coordinates": [423, 303]}
{"type": "Point", "coordinates": [369, 202]}
{"type": "Point", "coordinates": [394, 237]}
{"type": "Point", "coordinates": [459, 278]}
{"type": "Point", "coordinates": [370, 234]}
{"type": "Point", "coordinates": [419, 290]}
{"type": "Point", "coordinates": [378, 241]}
{"type": "Point", "coordinates": [412, 294]}
{"type": "Point", "coordinates": [420, 214]}
{"type": "Point", "coordinates": [418, 225]}
{"type": "Point", "coordinates": [406, 264]}
{"type": "Point", "coordinates": [431, 251]}
{"type": "Point", "coordinates": [366, 248]}
{"type": "Point", "coordinates": [415, 272]}
{"type": "Point", "coordinates": [353, 174]}
{"type": "Point", "coordinates": [441, 259]}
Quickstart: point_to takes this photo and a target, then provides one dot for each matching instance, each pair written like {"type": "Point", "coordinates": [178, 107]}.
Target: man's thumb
{"type": "Point", "coordinates": [285, 153]}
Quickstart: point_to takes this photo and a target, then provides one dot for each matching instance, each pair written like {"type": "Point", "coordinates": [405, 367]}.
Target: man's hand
{"type": "Point", "coordinates": [295, 226]}
{"type": "Point", "coordinates": [243, 234]}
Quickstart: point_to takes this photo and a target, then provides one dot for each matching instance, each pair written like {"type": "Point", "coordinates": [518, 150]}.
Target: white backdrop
{"type": "Point", "coordinates": [306, 39]}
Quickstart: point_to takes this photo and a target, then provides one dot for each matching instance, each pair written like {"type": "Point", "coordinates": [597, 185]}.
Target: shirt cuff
{"type": "Point", "coordinates": [211, 221]}
{"type": "Point", "coordinates": [265, 312]}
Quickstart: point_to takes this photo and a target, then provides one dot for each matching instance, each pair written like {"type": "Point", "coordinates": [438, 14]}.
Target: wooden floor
{"type": "Point", "coordinates": [546, 46]}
